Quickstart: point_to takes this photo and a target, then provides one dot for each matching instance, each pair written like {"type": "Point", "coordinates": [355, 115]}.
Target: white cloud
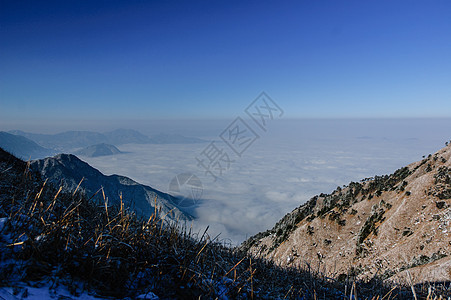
{"type": "Point", "coordinates": [282, 170]}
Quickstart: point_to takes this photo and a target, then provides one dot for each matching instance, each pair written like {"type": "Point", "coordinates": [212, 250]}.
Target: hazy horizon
{"type": "Point", "coordinates": [201, 128]}
{"type": "Point", "coordinates": [289, 163]}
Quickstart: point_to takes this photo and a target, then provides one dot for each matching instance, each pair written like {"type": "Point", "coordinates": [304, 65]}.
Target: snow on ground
{"type": "Point", "coordinates": [38, 291]}
{"type": "Point", "coordinates": [45, 291]}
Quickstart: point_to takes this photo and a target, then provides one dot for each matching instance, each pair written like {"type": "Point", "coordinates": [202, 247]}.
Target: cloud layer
{"type": "Point", "coordinates": [287, 166]}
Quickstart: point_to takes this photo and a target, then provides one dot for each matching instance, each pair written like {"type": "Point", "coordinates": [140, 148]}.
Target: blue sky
{"type": "Point", "coordinates": [111, 60]}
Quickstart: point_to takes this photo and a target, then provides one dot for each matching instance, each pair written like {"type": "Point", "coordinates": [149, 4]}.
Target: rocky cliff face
{"type": "Point", "coordinates": [68, 170]}
{"type": "Point", "coordinates": [384, 226]}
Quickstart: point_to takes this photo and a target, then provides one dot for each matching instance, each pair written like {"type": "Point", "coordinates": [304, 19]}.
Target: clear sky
{"type": "Point", "coordinates": [112, 60]}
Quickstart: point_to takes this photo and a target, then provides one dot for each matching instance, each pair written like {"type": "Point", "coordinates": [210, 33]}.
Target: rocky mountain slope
{"type": "Point", "coordinates": [68, 170]}
{"type": "Point", "coordinates": [98, 150]}
{"type": "Point", "coordinates": [390, 227]}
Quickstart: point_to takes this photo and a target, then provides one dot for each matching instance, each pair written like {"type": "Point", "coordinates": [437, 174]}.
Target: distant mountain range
{"type": "Point", "coordinates": [98, 150]}
{"type": "Point", "coordinates": [68, 170]}
{"type": "Point", "coordinates": [22, 147]}
{"type": "Point", "coordinates": [72, 140]}
{"type": "Point", "coordinates": [391, 227]}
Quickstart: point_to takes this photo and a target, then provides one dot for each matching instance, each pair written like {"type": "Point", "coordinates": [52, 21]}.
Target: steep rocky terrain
{"type": "Point", "coordinates": [391, 227]}
{"type": "Point", "coordinates": [69, 170]}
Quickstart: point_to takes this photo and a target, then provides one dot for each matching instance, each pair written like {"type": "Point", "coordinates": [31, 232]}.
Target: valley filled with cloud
{"type": "Point", "coordinates": [290, 163]}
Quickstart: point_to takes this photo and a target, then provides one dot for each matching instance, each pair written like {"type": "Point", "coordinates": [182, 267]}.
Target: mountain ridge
{"type": "Point", "coordinates": [74, 140]}
{"type": "Point", "coordinates": [382, 226]}
{"type": "Point", "coordinates": [23, 147]}
{"type": "Point", "coordinates": [98, 150]}
{"type": "Point", "coordinates": [70, 172]}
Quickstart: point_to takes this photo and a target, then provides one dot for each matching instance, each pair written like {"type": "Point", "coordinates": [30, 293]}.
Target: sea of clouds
{"type": "Point", "coordinates": [286, 166]}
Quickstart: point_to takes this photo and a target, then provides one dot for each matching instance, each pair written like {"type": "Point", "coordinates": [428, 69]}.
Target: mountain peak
{"type": "Point", "coordinates": [72, 172]}
{"type": "Point", "coordinates": [23, 147]}
{"type": "Point", "coordinates": [102, 149]}
{"type": "Point", "coordinates": [125, 136]}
